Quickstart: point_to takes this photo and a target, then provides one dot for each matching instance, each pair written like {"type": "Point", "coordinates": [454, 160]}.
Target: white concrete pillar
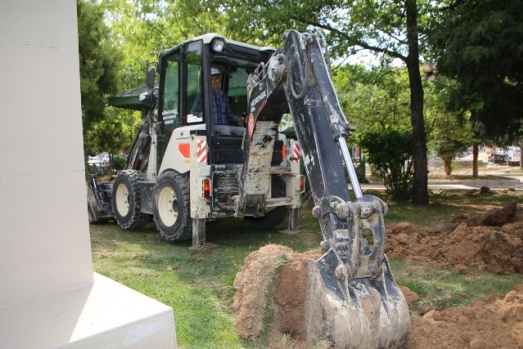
{"type": "Point", "coordinates": [49, 295]}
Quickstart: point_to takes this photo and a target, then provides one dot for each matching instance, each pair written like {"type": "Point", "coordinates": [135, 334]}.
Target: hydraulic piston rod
{"type": "Point", "coordinates": [350, 168]}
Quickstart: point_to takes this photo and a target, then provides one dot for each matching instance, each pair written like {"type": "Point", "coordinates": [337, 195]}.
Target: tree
{"type": "Point", "coordinates": [480, 44]}
{"type": "Point", "coordinates": [375, 102]}
{"type": "Point", "coordinates": [392, 28]}
{"type": "Point", "coordinates": [98, 62]}
{"type": "Point", "coordinates": [143, 28]}
{"type": "Point", "coordinates": [389, 150]}
{"type": "Point", "coordinates": [377, 99]}
{"type": "Point", "coordinates": [449, 132]}
{"type": "Point", "coordinates": [373, 98]}
{"type": "Point", "coordinates": [113, 134]}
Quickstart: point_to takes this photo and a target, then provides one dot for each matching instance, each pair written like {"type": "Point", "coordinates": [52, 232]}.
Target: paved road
{"type": "Point", "coordinates": [497, 182]}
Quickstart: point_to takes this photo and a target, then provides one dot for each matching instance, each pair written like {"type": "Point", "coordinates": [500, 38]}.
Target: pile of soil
{"type": "Point", "coordinates": [252, 283]}
{"type": "Point", "coordinates": [496, 322]}
{"type": "Point", "coordinates": [270, 287]}
{"type": "Point", "coordinates": [492, 242]}
{"type": "Point", "coordinates": [269, 298]}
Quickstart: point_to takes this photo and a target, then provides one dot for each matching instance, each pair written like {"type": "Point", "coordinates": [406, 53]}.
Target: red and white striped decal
{"type": "Point", "coordinates": [296, 152]}
{"type": "Point", "coordinates": [250, 124]}
{"type": "Point", "coordinates": [202, 150]}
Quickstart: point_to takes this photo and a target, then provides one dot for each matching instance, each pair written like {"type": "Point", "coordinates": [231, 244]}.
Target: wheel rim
{"type": "Point", "coordinates": [168, 206]}
{"type": "Point", "coordinates": [122, 200]}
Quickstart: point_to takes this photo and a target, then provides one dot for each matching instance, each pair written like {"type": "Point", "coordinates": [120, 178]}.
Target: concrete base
{"type": "Point", "coordinates": [104, 314]}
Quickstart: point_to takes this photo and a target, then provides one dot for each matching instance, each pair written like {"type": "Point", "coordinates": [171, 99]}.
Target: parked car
{"type": "Point", "coordinates": [513, 155]}
{"type": "Point", "coordinates": [497, 155]}
{"type": "Point", "coordinates": [99, 159]}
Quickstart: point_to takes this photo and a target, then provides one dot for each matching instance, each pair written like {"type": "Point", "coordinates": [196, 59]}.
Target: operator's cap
{"type": "Point", "coordinates": [215, 71]}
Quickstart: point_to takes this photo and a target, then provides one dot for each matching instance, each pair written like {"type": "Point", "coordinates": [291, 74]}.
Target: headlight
{"type": "Point", "coordinates": [218, 45]}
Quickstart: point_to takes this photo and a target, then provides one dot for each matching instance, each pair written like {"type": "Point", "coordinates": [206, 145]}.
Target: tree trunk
{"type": "Point", "coordinates": [447, 165]}
{"type": "Point", "coordinates": [475, 154]}
{"type": "Point", "coordinates": [420, 195]}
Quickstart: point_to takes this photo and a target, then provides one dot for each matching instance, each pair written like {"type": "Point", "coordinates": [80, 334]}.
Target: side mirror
{"type": "Point", "coordinates": [148, 98]}
{"type": "Point", "coordinates": [150, 77]}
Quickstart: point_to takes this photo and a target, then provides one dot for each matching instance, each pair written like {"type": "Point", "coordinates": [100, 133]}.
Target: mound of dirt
{"type": "Point", "coordinates": [492, 242]}
{"type": "Point", "coordinates": [251, 284]}
{"type": "Point", "coordinates": [496, 322]}
{"type": "Point", "coordinates": [280, 300]}
{"type": "Point", "coordinates": [270, 288]}
{"type": "Point", "coordinates": [289, 297]}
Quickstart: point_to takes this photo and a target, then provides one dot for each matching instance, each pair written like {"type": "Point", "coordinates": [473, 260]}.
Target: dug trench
{"type": "Point", "coordinates": [270, 286]}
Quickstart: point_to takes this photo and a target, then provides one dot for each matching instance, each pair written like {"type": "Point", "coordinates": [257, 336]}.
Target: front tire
{"type": "Point", "coordinates": [127, 200]}
{"type": "Point", "coordinates": [171, 206]}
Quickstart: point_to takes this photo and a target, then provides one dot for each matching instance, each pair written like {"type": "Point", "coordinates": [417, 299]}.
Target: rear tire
{"type": "Point", "coordinates": [127, 200]}
{"type": "Point", "coordinates": [171, 206]}
{"type": "Point", "coordinates": [271, 219]}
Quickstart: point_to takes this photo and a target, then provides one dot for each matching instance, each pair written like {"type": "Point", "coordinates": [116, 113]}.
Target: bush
{"type": "Point", "coordinates": [118, 163]}
{"type": "Point", "coordinates": [390, 151]}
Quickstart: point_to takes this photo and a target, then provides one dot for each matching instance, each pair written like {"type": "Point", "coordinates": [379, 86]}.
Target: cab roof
{"type": "Point", "coordinates": [209, 37]}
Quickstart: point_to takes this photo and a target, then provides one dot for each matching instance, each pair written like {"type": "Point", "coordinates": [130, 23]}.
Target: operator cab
{"type": "Point", "coordinates": [185, 97]}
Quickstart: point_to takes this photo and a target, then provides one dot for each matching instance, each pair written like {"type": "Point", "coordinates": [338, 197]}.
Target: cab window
{"type": "Point", "coordinates": [194, 83]}
{"type": "Point", "coordinates": [171, 104]}
{"type": "Point", "coordinates": [237, 91]}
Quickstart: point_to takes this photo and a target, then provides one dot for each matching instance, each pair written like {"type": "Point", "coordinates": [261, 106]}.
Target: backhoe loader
{"type": "Point", "coordinates": [182, 173]}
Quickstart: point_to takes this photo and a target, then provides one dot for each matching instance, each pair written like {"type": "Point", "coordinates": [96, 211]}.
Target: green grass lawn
{"type": "Point", "coordinates": [198, 283]}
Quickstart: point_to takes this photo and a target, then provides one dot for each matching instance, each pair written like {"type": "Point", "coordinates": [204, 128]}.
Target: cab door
{"type": "Point", "coordinates": [181, 105]}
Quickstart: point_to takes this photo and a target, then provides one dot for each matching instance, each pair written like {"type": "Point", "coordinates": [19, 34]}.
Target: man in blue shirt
{"type": "Point", "coordinates": [225, 122]}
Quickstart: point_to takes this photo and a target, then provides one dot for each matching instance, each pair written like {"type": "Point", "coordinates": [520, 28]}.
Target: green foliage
{"type": "Point", "coordinates": [113, 134]}
{"type": "Point", "coordinates": [390, 151]}
{"type": "Point", "coordinates": [479, 43]}
{"type": "Point", "coordinates": [449, 132]}
{"type": "Point", "coordinates": [378, 26]}
{"type": "Point", "coordinates": [144, 28]}
{"type": "Point", "coordinates": [98, 62]}
{"type": "Point", "coordinates": [118, 162]}
{"type": "Point", "coordinates": [376, 97]}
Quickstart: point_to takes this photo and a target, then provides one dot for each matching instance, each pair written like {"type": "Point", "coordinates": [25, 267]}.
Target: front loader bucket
{"type": "Point", "coordinates": [373, 313]}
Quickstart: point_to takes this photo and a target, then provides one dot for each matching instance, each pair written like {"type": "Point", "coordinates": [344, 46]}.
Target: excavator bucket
{"type": "Point", "coordinates": [352, 298]}
{"type": "Point", "coordinates": [375, 315]}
